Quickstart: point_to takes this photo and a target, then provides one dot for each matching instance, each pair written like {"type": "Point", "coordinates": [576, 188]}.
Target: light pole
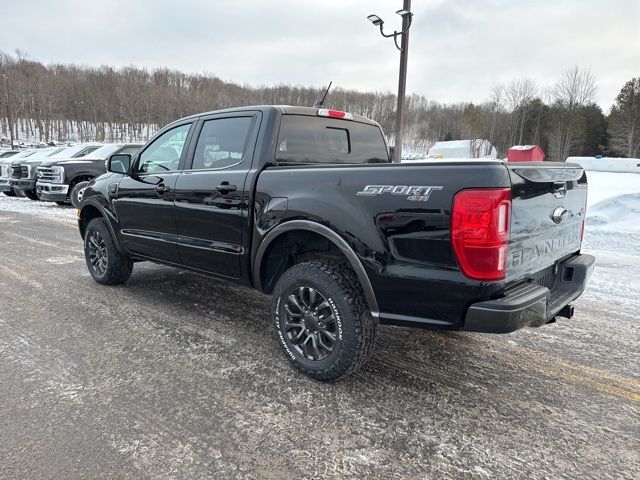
{"type": "Point", "coordinates": [407, 16]}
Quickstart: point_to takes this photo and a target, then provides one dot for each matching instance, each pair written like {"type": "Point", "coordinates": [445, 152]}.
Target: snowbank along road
{"type": "Point", "coordinates": [175, 376]}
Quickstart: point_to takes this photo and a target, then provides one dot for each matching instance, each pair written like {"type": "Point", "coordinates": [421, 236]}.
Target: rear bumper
{"type": "Point", "coordinates": [52, 192]}
{"type": "Point", "coordinates": [530, 305]}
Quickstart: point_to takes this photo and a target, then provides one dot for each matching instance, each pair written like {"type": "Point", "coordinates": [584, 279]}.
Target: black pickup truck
{"type": "Point", "coordinates": [304, 204]}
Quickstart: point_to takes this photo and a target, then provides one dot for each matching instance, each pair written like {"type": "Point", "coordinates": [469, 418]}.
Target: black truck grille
{"type": "Point", "coordinates": [19, 171]}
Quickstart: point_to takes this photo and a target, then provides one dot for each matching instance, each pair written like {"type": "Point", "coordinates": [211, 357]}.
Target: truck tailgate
{"type": "Point", "coordinates": [548, 211]}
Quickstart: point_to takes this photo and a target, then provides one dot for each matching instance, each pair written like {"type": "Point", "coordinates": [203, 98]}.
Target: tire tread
{"type": "Point", "coordinates": [119, 267]}
{"type": "Point", "coordinates": [354, 354]}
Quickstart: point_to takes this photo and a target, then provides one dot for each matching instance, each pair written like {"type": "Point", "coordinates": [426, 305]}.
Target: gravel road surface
{"type": "Point", "coordinates": [174, 375]}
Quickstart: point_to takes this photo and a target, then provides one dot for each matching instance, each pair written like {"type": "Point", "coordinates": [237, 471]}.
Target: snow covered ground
{"type": "Point", "coordinates": [614, 202]}
{"type": "Point", "coordinates": [45, 209]}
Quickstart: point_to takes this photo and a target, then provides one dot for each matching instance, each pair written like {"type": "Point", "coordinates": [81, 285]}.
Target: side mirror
{"type": "Point", "coordinates": [119, 163]}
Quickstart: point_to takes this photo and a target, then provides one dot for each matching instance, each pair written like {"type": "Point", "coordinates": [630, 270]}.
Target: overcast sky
{"type": "Point", "coordinates": [459, 48]}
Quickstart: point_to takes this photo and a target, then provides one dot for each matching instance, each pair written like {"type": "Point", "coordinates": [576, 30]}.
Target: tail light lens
{"type": "Point", "coordinates": [480, 223]}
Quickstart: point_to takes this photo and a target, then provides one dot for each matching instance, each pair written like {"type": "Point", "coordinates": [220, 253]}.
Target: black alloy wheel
{"type": "Point", "coordinates": [310, 323]}
{"type": "Point", "coordinates": [98, 255]}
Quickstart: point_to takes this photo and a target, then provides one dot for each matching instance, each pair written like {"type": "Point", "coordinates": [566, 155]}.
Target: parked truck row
{"type": "Point", "coordinates": [57, 174]}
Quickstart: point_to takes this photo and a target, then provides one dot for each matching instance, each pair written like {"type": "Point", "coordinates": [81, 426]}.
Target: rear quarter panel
{"type": "Point", "coordinates": [402, 243]}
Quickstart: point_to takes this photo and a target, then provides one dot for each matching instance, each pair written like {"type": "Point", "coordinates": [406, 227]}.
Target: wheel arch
{"type": "Point", "coordinates": [290, 227]}
{"type": "Point", "coordinates": [80, 177]}
{"type": "Point", "coordinates": [91, 209]}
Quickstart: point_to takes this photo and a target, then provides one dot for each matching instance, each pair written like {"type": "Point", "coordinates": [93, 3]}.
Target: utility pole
{"type": "Point", "coordinates": [9, 110]}
{"type": "Point", "coordinates": [402, 80]}
{"type": "Point", "coordinates": [407, 17]}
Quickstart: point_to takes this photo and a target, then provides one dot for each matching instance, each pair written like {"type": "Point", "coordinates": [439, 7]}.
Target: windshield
{"type": "Point", "coordinates": [69, 151]}
{"type": "Point", "coordinates": [45, 152]}
{"type": "Point", "coordinates": [23, 154]}
{"type": "Point", "coordinates": [105, 151]}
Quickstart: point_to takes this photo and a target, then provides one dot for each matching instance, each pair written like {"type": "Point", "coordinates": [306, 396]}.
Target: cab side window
{"type": "Point", "coordinates": [222, 143]}
{"type": "Point", "coordinates": [163, 155]}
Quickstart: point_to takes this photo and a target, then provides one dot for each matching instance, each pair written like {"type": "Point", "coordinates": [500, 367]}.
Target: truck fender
{"type": "Point", "coordinates": [330, 235]}
{"type": "Point", "coordinates": [106, 214]}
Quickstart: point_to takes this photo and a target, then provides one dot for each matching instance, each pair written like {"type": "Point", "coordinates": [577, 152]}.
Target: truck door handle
{"type": "Point", "coordinates": [160, 189]}
{"type": "Point", "coordinates": [224, 187]}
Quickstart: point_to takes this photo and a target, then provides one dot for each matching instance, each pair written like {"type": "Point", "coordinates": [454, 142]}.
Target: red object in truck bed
{"type": "Point", "coordinates": [525, 153]}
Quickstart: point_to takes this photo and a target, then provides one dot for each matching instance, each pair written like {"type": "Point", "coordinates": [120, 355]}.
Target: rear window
{"type": "Point", "coordinates": [306, 139]}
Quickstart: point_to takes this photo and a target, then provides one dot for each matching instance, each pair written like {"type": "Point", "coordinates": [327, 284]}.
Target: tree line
{"type": "Point", "coordinates": [64, 101]}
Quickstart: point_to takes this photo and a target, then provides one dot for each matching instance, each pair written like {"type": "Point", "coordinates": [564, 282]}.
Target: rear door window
{"type": "Point", "coordinates": [307, 139]}
{"type": "Point", "coordinates": [222, 143]}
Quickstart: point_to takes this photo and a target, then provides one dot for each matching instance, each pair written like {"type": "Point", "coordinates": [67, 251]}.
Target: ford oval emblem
{"type": "Point", "coordinates": [559, 214]}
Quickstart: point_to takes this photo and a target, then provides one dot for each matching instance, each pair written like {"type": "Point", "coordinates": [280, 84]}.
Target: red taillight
{"type": "Point", "coordinates": [480, 223]}
{"type": "Point", "coordinates": [326, 112]}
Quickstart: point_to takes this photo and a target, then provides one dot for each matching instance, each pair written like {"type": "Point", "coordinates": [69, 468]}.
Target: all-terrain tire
{"type": "Point", "coordinates": [354, 327]}
{"type": "Point", "coordinates": [106, 264]}
{"type": "Point", "coordinates": [75, 196]}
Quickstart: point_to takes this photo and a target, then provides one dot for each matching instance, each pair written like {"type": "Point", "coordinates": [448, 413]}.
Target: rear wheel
{"type": "Point", "coordinates": [105, 262]}
{"type": "Point", "coordinates": [77, 192]}
{"type": "Point", "coordinates": [321, 320]}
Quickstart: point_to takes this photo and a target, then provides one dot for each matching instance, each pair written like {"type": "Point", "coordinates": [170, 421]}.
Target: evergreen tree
{"type": "Point", "coordinates": [624, 121]}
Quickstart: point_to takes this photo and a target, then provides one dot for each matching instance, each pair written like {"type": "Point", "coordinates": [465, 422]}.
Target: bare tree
{"type": "Point", "coordinates": [575, 89]}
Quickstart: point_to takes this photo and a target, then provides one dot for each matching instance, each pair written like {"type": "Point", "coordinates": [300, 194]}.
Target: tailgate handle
{"type": "Point", "coordinates": [559, 189]}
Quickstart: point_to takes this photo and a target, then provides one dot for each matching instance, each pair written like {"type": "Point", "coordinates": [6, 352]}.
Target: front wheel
{"type": "Point", "coordinates": [321, 320]}
{"type": "Point", "coordinates": [105, 262]}
{"type": "Point", "coordinates": [77, 192]}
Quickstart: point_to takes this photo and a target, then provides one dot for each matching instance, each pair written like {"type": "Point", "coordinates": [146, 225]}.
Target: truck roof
{"type": "Point", "coordinates": [283, 109]}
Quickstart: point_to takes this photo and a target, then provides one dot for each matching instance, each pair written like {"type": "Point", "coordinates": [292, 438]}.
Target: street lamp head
{"type": "Point", "coordinates": [404, 13]}
{"type": "Point", "coordinates": [376, 20]}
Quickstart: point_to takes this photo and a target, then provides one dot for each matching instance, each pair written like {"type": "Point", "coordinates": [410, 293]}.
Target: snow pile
{"type": "Point", "coordinates": [620, 214]}
{"type": "Point", "coordinates": [607, 164]}
{"type": "Point", "coordinates": [613, 202]}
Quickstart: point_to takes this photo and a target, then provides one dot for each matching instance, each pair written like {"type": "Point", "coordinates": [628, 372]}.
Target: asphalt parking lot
{"type": "Point", "coordinates": [174, 375]}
